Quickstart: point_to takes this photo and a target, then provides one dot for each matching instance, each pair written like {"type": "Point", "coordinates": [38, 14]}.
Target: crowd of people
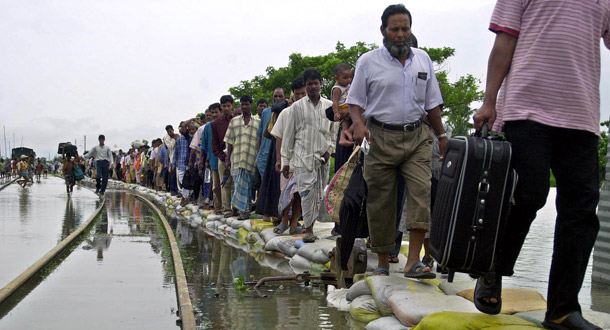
{"type": "Point", "coordinates": [25, 169]}
{"type": "Point", "coordinates": [273, 158]}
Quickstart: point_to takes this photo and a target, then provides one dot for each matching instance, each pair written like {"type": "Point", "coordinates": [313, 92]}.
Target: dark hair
{"type": "Point", "coordinates": [412, 41]}
{"type": "Point", "coordinates": [214, 106]}
{"type": "Point", "coordinates": [298, 83]}
{"type": "Point", "coordinates": [246, 98]}
{"type": "Point", "coordinates": [169, 127]}
{"type": "Point", "coordinates": [226, 98]}
{"type": "Point", "coordinates": [340, 67]}
{"type": "Point", "coordinates": [261, 101]}
{"type": "Point", "coordinates": [393, 10]}
{"type": "Point", "coordinates": [312, 74]}
{"type": "Point", "coordinates": [101, 137]}
{"type": "Point", "coordinates": [282, 88]}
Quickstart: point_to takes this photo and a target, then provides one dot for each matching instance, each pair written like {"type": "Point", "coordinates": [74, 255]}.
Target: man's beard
{"type": "Point", "coordinates": [397, 51]}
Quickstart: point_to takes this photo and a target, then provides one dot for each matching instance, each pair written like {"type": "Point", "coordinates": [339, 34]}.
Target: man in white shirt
{"type": "Point", "coordinates": [103, 158]}
{"type": "Point", "coordinates": [308, 138]}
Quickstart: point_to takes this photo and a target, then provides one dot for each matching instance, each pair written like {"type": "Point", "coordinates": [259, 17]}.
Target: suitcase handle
{"type": "Point", "coordinates": [484, 132]}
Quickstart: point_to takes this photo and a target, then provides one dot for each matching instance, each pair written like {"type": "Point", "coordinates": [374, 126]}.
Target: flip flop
{"type": "Point", "coordinates": [309, 238]}
{"type": "Point", "coordinates": [393, 259]}
{"type": "Point", "coordinates": [573, 322]}
{"type": "Point", "coordinates": [280, 229]}
{"type": "Point", "coordinates": [416, 272]}
{"type": "Point", "coordinates": [297, 231]}
{"type": "Point", "coordinates": [488, 288]}
{"type": "Point", "coordinates": [381, 271]}
{"type": "Point", "coordinates": [243, 216]}
{"type": "Point", "coordinates": [428, 262]}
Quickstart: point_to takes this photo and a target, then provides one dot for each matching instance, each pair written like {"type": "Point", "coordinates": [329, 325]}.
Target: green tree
{"type": "Point", "coordinates": [459, 95]}
{"type": "Point", "coordinates": [262, 86]}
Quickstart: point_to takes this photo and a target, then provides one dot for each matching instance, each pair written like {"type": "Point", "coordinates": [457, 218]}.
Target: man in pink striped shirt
{"type": "Point", "coordinates": [546, 57]}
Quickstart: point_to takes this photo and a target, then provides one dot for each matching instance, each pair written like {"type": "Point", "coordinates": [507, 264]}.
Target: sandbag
{"type": "Point", "coordinates": [456, 286]}
{"type": "Point", "coordinates": [314, 253]}
{"type": "Point", "coordinates": [242, 236]}
{"type": "Point", "coordinates": [260, 225]}
{"type": "Point", "coordinates": [514, 300]}
{"type": "Point", "coordinates": [473, 321]}
{"type": "Point", "coordinates": [386, 323]}
{"type": "Point", "coordinates": [410, 308]}
{"type": "Point", "coordinates": [268, 234]}
{"type": "Point", "coordinates": [598, 318]}
{"type": "Point", "coordinates": [336, 298]}
{"type": "Point", "coordinates": [358, 289]}
{"type": "Point", "coordinates": [364, 309]}
{"type": "Point", "coordinates": [214, 217]}
{"type": "Point", "coordinates": [382, 287]}
{"type": "Point", "coordinates": [247, 225]}
{"type": "Point", "coordinates": [282, 244]}
{"type": "Point", "coordinates": [299, 264]}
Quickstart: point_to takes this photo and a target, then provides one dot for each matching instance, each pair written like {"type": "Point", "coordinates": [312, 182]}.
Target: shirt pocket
{"type": "Point", "coordinates": [420, 81]}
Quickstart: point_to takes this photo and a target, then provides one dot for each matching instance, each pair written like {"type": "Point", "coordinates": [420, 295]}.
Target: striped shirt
{"type": "Point", "coordinates": [244, 141]}
{"type": "Point", "coordinates": [278, 131]}
{"type": "Point", "coordinates": [181, 152]}
{"type": "Point", "coordinates": [307, 134]}
{"type": "Point", "coordinates": [555, 70]}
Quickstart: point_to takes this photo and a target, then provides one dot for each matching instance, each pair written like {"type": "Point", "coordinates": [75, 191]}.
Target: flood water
{"type": "Point", "coordinates": [36, 219]}
{"type": "Point", "coordinates": [118, 277]}
{"type": "Point", "coordinates": [211, 266]}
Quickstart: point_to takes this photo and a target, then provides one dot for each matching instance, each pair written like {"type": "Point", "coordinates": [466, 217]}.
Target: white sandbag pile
{"type": "Point", "coordinates": [364, 309]}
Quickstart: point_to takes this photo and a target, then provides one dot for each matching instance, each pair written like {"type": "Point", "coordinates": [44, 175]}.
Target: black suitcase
{"type": "Point", "coordinates": [69, 148]}
{"type": "Point", "coordinates": [472, 202]}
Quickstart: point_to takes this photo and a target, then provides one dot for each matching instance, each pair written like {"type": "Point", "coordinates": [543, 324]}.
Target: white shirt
{"type": "Point", "coordinates": [100, 153]}
{"type": "Point", "coordinates": [307, 134]}
{"type": "Point", "coordinates": [391, 92]}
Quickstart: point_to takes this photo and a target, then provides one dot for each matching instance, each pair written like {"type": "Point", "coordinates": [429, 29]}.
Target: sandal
{"type": "Point", "coordinates": [429, 262]}
{"type": "Point", "coordinates": [381, 271]}
{"type": "Point", "coordinates": [297, 231]}
{"type": "Point", "coordinates": [309, 238]}
{"type": "Point", "coordinates": [393, 259]}
{"type": "Point", "coordinates": [280, 229]}
{"type": "Point", "coordinates": [489, 288]}
{"type": "Point", "coordinates": [573, 322]}
{"type": "Point", "coordinates": [243, 216]}
{"type": "Point", "coordinates": [417, 272]}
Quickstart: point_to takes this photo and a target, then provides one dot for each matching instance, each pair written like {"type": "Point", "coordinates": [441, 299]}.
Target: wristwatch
{"type": "Point", "coordinates": [440, 136]}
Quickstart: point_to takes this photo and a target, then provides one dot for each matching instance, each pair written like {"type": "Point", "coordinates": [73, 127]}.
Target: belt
{"type": "Point", "coordinates": [408, 127]}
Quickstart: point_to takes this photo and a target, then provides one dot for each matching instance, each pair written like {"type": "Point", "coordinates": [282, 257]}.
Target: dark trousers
{"type": "Point", "coordinates": [101, 179]}
{"type": "Point", "coordinates": [173, 181]}
{"type": "Point", "coordinates": [572, 155]}
{"type": "Point", "coordinates": [401, 197]}
{"type": "Point", "coordinates": [117, 170]}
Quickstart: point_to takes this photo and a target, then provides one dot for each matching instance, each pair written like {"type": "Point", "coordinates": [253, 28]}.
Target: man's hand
{"type": "Point", "coordinates": [360, 132]}
{"type": "Point", "coordinates": [286, 171]}
{"type": "Point", "coordinates": [442, 143]}
{"type": "Point", "coordinates": [486, 114]}
{"type": "Point", "coordinates": [347, 138]}
{"type": "Point", "coordinates": [326, 157]}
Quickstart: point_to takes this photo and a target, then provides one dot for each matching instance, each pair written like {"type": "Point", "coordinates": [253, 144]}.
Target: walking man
{"type": "Point", "coordinates": [212, 160]}
{"type": "Point", "coordinates": [242, 146]}
{"type": "Point", "coordinates": [102, 155]}
{"type": "Point", "coordinates": [398, 86]}
{"type": "Point", "coordinates": [550, 113]}
{"type": "Point", "coordinates": [219, 129]}
{"type": "Point", "coordinates": [309, 139]}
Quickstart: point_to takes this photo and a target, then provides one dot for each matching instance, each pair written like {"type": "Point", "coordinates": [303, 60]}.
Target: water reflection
{"type": "Point", "coordinates": [24, 203]}
{"type": "Point", "coordinates": [211, 266]}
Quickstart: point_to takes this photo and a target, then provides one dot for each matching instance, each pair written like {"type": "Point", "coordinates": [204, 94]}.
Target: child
{"type": "Point", "coordinates": [343, 79]}
{"type": "Point", "coordinates": [23, 170]}
{"type": "Point", "coordinates": [39, 168]}
{"type": "Point", "coordinates": [68, 170]}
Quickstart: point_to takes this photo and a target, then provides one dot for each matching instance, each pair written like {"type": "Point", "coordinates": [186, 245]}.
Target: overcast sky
{"type": "Point", "coordinates": [127, 68]}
